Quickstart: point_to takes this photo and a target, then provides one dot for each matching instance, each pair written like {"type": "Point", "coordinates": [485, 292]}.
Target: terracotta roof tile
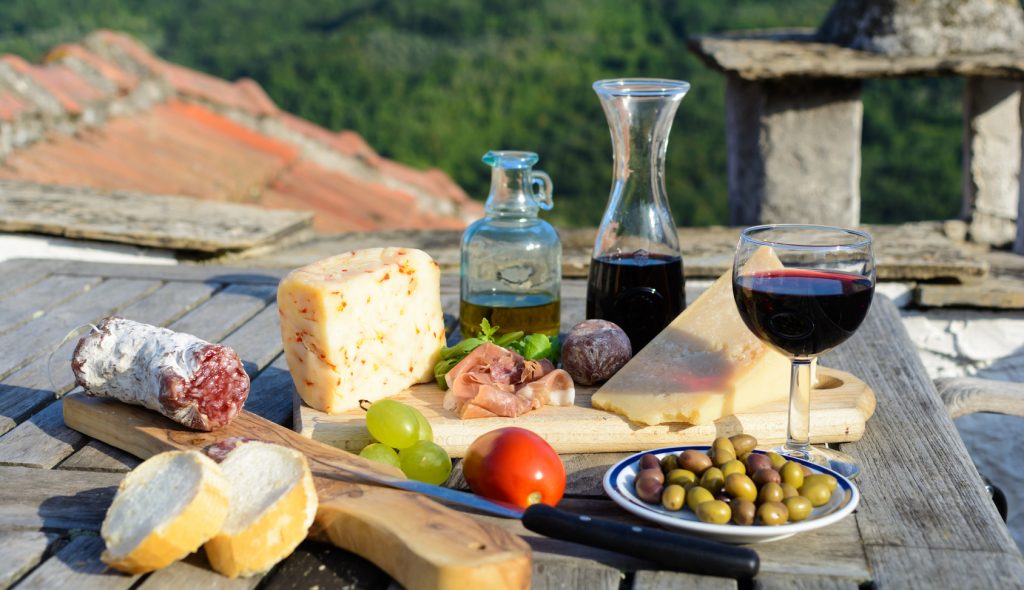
{"type": "Point", "coordinates": [131, 49]}
{"type": "Point", "coordinates": [72, 91]}
{"type": "Point", "coordinates": [12, 104]}
{"type": "Point", "coordinates": [122, 79]}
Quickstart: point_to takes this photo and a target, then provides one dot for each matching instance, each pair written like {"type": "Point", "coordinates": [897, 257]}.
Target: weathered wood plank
{"type": "Point", "coordinates": [920, 567]}
{"type": "Point", "coordinates": [920, 488]}
{"type": "Point", "coordinates": [34, 301]}
{"type": "Point", "coordinates": [258, 341]}
{"type": "Point", "coordinates": [793, 582]}
{"type": "Point", "coordinates": [967, 395]}
{"type": "Point", "coordinates": [30, 388]}
{"type": "Point", "coordinates": [77, 565]}
{"type": "Point", "coordinates": [97, 456]}
{"type": "Point", "coordinates": [555, 572]}
{"type": "Point", "coordinates": [45, 499]}
{"type": "Point", "coordinates": [21, 551]}
{"type": "Point", "coordinates": [194, 572]}
{"type": "Point", "coordinates": [21, 273]}
{"type": "Point", "coordinates": [271, 393]}
{"type": "Point", "coordinates": [201, 273]}
{"type": "Point", "coordinates": [41, 441]}
{"type": "Point", "coordinates": [651, 580]}
{"type": "Point", "coordinates": [38, 337]}
{"type": "Point", "coordinates": [321, 565]}
{"type": "Point", "coordinates": [182, 223]}
{"type": "Point", "coordinates": [225, 312]}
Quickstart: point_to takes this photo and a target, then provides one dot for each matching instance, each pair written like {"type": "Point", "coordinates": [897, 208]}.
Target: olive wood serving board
{"type": "Point", "coordinates": [419, 542]}
{"type": "Point", "coordinates": [840, 406]}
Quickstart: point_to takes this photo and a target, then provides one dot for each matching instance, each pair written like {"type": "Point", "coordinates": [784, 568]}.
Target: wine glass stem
{"type": "Point", "coordinates": [798, 433]}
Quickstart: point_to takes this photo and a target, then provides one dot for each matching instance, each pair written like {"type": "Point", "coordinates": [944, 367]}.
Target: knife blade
{"type": "Point", "coordinates": [670, 550]}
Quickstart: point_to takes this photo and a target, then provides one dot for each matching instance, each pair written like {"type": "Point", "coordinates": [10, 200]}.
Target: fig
{"type": "Point", "coordinates": [595, 350]}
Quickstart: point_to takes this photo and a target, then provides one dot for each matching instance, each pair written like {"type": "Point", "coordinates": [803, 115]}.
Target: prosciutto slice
{"type": "Point", "coordinates": [493, 381]}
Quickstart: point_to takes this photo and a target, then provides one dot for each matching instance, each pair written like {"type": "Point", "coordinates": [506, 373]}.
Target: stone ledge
{"type": "Point", "coordinates": [797, 53]}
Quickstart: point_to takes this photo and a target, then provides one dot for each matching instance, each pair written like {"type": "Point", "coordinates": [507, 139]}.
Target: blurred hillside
{"type": "Point", "coordinates": [438, 83]}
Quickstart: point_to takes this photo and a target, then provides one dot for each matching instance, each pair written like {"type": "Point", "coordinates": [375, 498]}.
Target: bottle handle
{"type": "Point", "coordinates": [542, 189]}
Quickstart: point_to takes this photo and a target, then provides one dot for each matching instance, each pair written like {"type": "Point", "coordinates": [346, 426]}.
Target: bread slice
{"type": "Point", "coordinates": [273, 502]}
{"type": "Point", "coordinates": [164, 509]}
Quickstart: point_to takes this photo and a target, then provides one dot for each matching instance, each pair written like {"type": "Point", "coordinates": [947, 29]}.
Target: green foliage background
{"type": "Point", "coordinates": [440, 82]}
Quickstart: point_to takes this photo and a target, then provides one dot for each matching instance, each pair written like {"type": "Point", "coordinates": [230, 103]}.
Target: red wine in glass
{"type": "Point", "coordinates": [803, 312]}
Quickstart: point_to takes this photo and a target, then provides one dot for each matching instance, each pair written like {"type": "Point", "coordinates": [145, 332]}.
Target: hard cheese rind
{"type": "Point", "coordinates": [705, 365]}
{"type": "Point", "coordinates": [361, 325]}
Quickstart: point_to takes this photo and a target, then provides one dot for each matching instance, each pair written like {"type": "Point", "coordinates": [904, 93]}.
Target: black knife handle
{"type": "Point", "coordinates": [678, 552]}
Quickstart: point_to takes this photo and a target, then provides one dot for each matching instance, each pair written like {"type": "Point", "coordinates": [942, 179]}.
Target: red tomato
{"type": "Point", "coordinates": [516, 466]}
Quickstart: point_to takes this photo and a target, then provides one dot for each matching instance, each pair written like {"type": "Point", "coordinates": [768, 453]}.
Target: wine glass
{"type": "Point", "coordinates": [804, 289]}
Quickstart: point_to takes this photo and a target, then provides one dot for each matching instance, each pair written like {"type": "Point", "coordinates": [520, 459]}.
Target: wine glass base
{"type": "Point", "coordinates": [837, 461]}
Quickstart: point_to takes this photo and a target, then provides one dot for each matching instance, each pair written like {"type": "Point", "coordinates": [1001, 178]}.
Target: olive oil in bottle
{"type": "Point", "coordinates": [511, 271]}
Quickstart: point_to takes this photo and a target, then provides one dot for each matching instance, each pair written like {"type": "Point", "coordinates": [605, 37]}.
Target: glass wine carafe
{"type": "Point", "coordinates": [511, 271]}
{"type": "Point", "coordinates": [636, 274]}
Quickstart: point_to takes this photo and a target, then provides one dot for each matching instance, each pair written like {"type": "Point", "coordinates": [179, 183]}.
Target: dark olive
{"type": "Point", "coordinates": [763, 476]}
{"type": "Point", "coordinates": [654, 472]}
{"type": "Point", "coordinates": [743, 443]}
{"type": "Point", "coordinates": [712, 480]}
{"type": "Point", "coordinates": [738, 485]}
{"type": "Point", "coordinates": [757, 462]}
{"type": "Point", "coordinates": [669, 462]}
{"type": "Point", "coordinates": [672, 497]}
{"type": "Point", "coordinates": [694, 461]}
{"type": "Point", "coordinates": [799, 508]}
{"type": "Point", "coordinates": [793, 474]}
{"type": "Point", "coordinates": [770, 492]}
{"type": "Point", "coordinates": [696, 496]}
{"type": "Point", "coordinates": [648, 489]}
{"type": "Point", "coordinates": [649, 461]}
{"type": "Point", "coordinates": [743, 512]}
{"type": "Point", "coordinates": [772, 513]}
{"type": "Point", "coordinates": [683, 477]}
{"type": "Point", "coordinates": [715, 511]}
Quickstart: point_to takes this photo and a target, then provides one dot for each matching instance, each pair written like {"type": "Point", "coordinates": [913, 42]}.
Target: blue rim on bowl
{"type": "Point", "coordinates": [618, 484]}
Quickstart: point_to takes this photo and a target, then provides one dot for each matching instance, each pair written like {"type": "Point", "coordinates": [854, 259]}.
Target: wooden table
{"type": "Point", "coordinates": [925, 519]}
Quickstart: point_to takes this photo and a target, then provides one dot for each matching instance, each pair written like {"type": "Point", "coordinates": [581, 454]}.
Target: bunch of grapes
{"type": "Point", "coordinates": [405, 440]}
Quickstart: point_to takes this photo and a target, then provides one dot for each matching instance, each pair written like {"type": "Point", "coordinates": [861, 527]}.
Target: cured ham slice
{"type": "Point", "coordinates": [493, 381]}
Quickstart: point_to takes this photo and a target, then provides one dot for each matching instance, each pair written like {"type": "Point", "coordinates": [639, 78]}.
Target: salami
{"type": "Point", "coordinates": [191, 381]}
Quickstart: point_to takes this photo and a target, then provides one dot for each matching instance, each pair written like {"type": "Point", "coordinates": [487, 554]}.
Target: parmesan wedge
{"type": "Point", "coordinates": [705, 365]}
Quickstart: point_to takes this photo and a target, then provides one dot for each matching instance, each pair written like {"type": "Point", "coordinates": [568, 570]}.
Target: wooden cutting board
{"type": "Point", "coordinates": [420, 543]}
{"type": "Point", "coordinates": [840, 406]}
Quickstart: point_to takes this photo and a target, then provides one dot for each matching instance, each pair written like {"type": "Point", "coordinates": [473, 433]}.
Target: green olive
{"type": "Point", "coordinates": [799, 508]}
{"type": "Point", "coordinates": [738, 485]}
{"type": "Point", "coordinates": [822, 478]}
{"type": "Point", "coordinates": [683, 477]}
{"type": "Point", "coordinates": [694, 461]}
{"type": "Point", "coordinates": [669, 462]}
{"type": "Point", "coordinates": [722, 451]}
{"type": "Point", "coordinates": [770, 492]}
{"type": "Point", "coordinates": [712, 480]}
{"type": "Point", "coordinates": [743, 458]}
{"type": "Point", "coordinates": [696, 496]}
{"type": "Point", "coordinates": [743, 512]}
{"type": "Point", "coordinates": [672, 497]}
{"type": "Point", "coordinates": [734, 466]}
{"type": "Point", "coordinates": [763, 476]}
{"type": "Point", "coordinates": [743, 443]}
{"type": "Point", "coordinates": [772, 513]}
{"type": "Point", "coordinates": [777, 460]}
{"type": "Point", "coordinates": [817, 492]}
{"type": "Point", "coordinates": [792, 474]}
{"type": "Point", "coordinates": [715, 511]}
{"type": "Point", "coordinates": [789, 491]}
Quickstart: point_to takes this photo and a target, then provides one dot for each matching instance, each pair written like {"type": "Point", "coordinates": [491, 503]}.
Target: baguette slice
{"type": "Point", "coordinates": [164, 509]}
{"type": "Point", "coordinates": [273, 502]}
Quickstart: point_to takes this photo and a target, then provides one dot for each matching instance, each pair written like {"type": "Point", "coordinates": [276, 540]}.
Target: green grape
{"type": "Point", "coordinates": [426, 462]}
{"type": "Point", "coordinates": [393, 423]}
{"type": "Point", "coordinates": [380, 453]}
{"type": "Point", "coordinates": [426, 432]}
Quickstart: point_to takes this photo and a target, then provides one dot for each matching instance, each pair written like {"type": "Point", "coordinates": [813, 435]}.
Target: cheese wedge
{"type": "Point", "coordinates": [705, 365]}
{"type": "Point", "coordinates": [361, 325]}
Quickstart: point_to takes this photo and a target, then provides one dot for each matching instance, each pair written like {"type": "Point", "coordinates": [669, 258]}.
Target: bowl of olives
{"type": "Point", "coordinates": [730, 491]}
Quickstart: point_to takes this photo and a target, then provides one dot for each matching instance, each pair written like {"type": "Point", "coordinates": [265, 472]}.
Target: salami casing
{"type": "Point", "coordinates": [191, 381]}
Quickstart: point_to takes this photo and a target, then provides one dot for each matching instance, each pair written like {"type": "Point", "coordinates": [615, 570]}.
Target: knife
{"type": "Point", "coordinates": [674, 551]}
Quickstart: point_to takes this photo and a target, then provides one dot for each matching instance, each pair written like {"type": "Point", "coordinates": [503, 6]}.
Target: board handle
{"type": "Point", "coordinates": [674, 551]}
{"type": "Point", "coordinates": [420, 543]}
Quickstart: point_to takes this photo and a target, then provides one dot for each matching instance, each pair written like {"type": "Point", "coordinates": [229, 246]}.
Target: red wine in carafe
{"type": "Point", "coordinates": [803, 312]}
{"type": "Point", "coordinates": [640, 292]}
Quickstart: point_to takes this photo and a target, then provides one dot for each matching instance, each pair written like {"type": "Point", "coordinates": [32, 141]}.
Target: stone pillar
{"type": "Point", "coordinates": [992, 159]}
{"type": "Point", "coordinates": [794, 151]}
